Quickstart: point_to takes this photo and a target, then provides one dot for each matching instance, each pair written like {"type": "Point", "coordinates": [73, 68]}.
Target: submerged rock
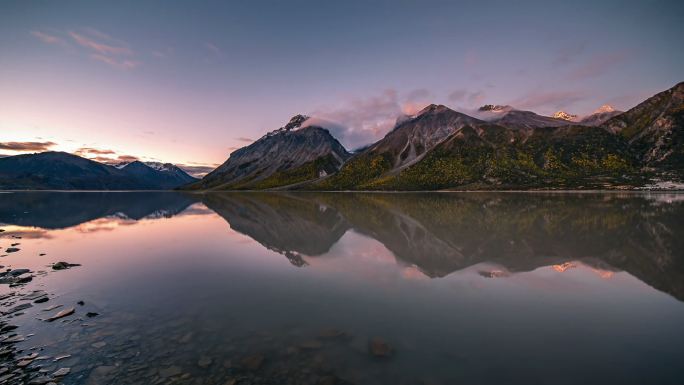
{"type": "Point", "coordinates": [61, 372]}
{"type": "Point", "coordinates": [310, 345]}
{"type": "Point", "coordinates": [252, 362]}
{"type": "Point", "coordinates": [204, 362]}
{"type": "Point", "coordinates": [379, 348]}
{"type": "Point", "coordinates": [64, 265]}
{"type": "Point", "coordinates": [169, 371]}
{"type": "Point", "coordinates": [62, 314]}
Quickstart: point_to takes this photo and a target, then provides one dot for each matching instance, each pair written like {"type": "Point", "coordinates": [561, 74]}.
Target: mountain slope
{"type": "Point", "coordinates": [64, 171]}
{"type": "Point", "coordinates": [496, 157]}
{"type": "Point", "coordinates": [655, 130]}
{"type": "Point", "coordinates": [406, 144]}
{"type": "Point", "coordinates": [293, 154]}
{"type": "Point", "coordinates": [61, 171]}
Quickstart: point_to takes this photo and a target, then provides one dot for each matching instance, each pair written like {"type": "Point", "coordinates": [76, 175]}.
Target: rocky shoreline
{"type": "Point", "coordinates": [29, 366]}
{"type": "Point", "coordinates": [108, 352]}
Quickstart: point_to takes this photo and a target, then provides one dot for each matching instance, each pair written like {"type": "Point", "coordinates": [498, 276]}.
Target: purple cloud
{"type": "Point", "coordinates": [598, 65]}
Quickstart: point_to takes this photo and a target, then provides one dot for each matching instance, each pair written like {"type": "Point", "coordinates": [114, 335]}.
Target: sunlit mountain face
{"type": "Point", "coordinates": [357, 288]}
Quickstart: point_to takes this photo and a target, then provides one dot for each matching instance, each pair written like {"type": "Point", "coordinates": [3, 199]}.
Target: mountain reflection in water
{"type": "Point", "coordinates": [348, 288]}
{"type": "Point", "coordinates": [441, 232]}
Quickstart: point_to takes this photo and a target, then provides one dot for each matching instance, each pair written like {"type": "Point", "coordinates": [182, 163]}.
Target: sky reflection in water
{"type": "Point", "coordinates": [470, 288]}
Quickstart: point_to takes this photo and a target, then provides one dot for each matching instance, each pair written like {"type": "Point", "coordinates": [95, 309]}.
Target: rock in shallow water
{"type": "Point", "coordinates": [61, 314]}
{"type": "Point", "coordinates": [252, 362]}
{"type": "Point", "coordinates": [204, 362]}
{"type": "Point", "coordinates": [379, 348]}
{"type": "Point", "coordinates": [61, 372]}
{"type": "Point", "coordinates": [63, 265]}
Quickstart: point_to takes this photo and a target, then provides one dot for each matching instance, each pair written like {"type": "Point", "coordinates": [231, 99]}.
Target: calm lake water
{"type": "Point", "coordinates": [342, 288]}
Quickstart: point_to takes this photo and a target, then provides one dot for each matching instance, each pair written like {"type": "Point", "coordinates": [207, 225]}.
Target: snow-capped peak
{"type": "Point", "coordinates": [494, 108]}
{"type": "Point", "coordinates": [159, 166]}
{"type": "Point", "coordinates": [604, 108]}
{"type": "Point", "coordinates": [296, 122]}
{"type": "Point", "coordinates": [564, 115]}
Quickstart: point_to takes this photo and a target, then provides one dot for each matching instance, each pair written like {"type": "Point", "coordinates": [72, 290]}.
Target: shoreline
{"type": "Point", "coordinates": [536, 191]}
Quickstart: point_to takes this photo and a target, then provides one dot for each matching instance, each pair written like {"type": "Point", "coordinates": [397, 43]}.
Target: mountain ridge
{"type": "Point", "coordinates": [53, 170]}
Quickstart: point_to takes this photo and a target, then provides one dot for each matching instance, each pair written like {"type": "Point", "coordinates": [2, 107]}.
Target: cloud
{"type": "Point", "coordinates": [457, 95]}
{"type": "Point", "coordinates": [114, 62]}
{"type": "Point", "coordinates": [105, 49]}
{"type": "Point", "coordinates": [598, 65]}
{"type": "Point", "coordinates": [105, 46]}
{"type": "Point", "coordinates": [127, 158]}
{"type": "Point", "coordinates": [104, 155]}
{"type": "Point", "coordinates": [472, 98]}
{"type": "Point", "coordinates": [83, 151]}
{"type": "Point", "coordinates": [213, 48]}
{"type": "Point", "coordinates": [361, 121]}
{"type": "Point", "coordinates": [416, 100]}
{"type": "Point", "coordinates": [567, 54]}
{"type": "Point", "coordinates": [244, 139]}
{"type": "Point", "coordinates": [549, 99]}
{"type": "Point", "coordinates": [26, 146]}
{"type": "Point", "coordinates": [48, 38]}
{"type": "Point", "coordinates": [164, 53]}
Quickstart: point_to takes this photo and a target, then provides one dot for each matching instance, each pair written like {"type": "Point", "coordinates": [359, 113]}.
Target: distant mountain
{"type": "Point", "coordinates": [164, 175]}
{"type": "Point", "coordinates": [292, 154]}
{"type": "Point", "coordinates": [655, 130]}
{"type": "Point", "coordinates": [508, 116]}
{"type": "Point", "coordinates": [600, 116]}
{"type": "Point", "coordinates": [64, 171]}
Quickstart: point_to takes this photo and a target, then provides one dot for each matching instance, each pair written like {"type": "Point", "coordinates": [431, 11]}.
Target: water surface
{"type": "Point", "coordinates": [463, 288]}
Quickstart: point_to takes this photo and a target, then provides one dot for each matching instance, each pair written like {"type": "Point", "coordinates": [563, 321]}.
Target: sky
{"type": "Point", "coordinates": [188, 82]}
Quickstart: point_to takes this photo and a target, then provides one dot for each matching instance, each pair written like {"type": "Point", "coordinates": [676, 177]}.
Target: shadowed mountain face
{"type": "Point", "coordinates": [63, 171]}
{"type": "Point", "coordinates": [52, 210]}
{"type": "Point", "coordinates": [443, 233]}
{"type": "Point", "coordinates": [655, 129]}
{"type": "Point", "coordinates": [292, 154]}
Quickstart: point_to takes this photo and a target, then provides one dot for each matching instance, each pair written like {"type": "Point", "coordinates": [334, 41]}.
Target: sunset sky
{"type": "Point", "coordinates": [188, 83]}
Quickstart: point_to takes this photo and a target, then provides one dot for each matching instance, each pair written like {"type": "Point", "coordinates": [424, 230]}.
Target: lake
{"type": "Point", "coordinates": [344, 288]}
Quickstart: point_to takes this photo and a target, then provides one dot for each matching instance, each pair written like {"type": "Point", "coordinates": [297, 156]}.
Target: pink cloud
{"type": "Point", "coordinates": [598, 65]}
{"type": "Point", "coordinates": [103, 48]}
{"type": "Point", "coordinates": [116, 62]}
{"type": "Point", "coordinates": [47, 38]}
{"type": "Point", "coordinates": [550, 99]}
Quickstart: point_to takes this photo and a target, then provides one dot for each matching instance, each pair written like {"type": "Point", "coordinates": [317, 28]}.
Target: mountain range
{"type": "Point", "coordinates": [494, 147]}
{"type": "Point", "coordinates": [499, 147]}
{"type": "Point", "coordinates": [63, 171]}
